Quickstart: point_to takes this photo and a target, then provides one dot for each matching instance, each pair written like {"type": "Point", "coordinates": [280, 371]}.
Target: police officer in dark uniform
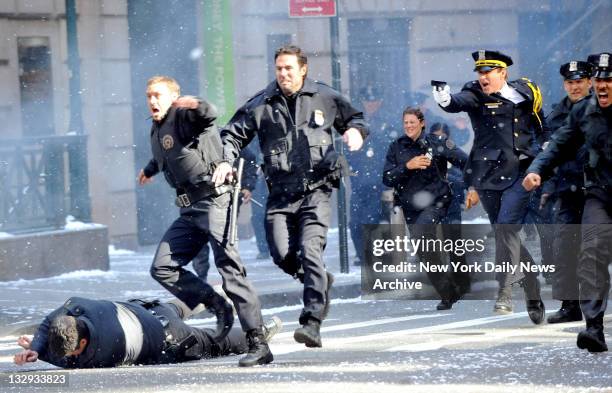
{"type": "Point", "coordinates": [249, 179]}
{"type": "Point", "coordinates": [293, 118]}
{"type": "Point", "coordinates": [567, 188]}
{"type": "Point", "coordinates": [590, 124]}
{"type": "Point", "coordinates": [86, 333]}
{"type": "Point", "coordinates": [186, 148]}
{"type": "Point", "coordinates": [416, 167]}
{"type": "Point", "coordinates": [508, 132]}
{"type": "Point", "coordinates": [367, 165]}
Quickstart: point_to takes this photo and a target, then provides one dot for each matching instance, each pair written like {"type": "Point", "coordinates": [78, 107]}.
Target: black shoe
{"type": "Point", "coordinates": [224, 313]}
{"type": "Point", "coordinates": [592, 339]}
{"type": "Point", "coordinates": [309, 334]}
{"type": "Point", "coordinates": [536, 311]}
{"type": "Point", "coordinates": [569, 312]}
{"type": "Point", "coordinates": [445, 305]}
{"type": "Point", "coordinates": [330, 281]}
{"type": "Point", "coordinates": [259, 352]}
{"type": "Point", "coordinates": [533, 300]}
{"type": "Point", "coordinates": [270, 328]}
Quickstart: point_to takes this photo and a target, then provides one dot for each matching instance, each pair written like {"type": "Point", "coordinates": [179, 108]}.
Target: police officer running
{"type": "Point", "coordinates": [186, 147]}
{"type": "Point", "coordinates": [293, 117]}
{"type": "Point", "coordinates": [567, 187]}
{"type": "Point", "coordinates": [590, 124]}
{"type": "Point", "coordinates": [508, 132]}
{"type": "Point", "coordinates": [416, 168]}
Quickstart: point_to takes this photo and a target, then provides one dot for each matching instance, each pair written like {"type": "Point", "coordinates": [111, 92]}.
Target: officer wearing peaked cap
{"type": "Point", "coordinates": [565, 189]}
{"type": "Point", "coordinates": [589, 123]}
{"type": "Point", "coordinates": [508, 132]}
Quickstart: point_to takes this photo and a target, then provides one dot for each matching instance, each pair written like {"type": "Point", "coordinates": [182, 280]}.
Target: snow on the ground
{"type": "Point", "coordinates": [77, 274]}
{"type": "Point", "coordinates": [112, 251]}
{"type": "Point", "coordinates": [5, 234]}
{"type": "Point", "coordinates": [73, 225]}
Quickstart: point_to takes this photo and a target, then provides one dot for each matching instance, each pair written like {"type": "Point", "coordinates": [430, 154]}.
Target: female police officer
{"type": "Point", "coordinates": [415, 167]}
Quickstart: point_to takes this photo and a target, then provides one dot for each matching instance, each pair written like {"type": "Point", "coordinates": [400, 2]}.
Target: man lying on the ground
{"type": "Point", "coordinates": [86, 333]}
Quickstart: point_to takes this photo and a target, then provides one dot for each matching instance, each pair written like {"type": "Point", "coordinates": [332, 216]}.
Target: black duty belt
{"type": "Point", "coordinates": [186, 198]}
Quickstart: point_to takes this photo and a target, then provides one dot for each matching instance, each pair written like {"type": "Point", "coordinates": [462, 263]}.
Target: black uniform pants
{"type": "Point", "coordinates": [365, 209]}
{"type": "Point", "coordinates": [506, 210]}
{"type": "Point", "coordinates": [296, 229]}
{"type": "Point", "coordinates": [423, 224]}
{"type": "Point", "coordinates": [184, 342]}
{"type": "Point", "coordinates": [593, 274]}
{"type": "Point", "coordinates": [205, 220]}
{"type": "Point", "coordinates": [566, 245]}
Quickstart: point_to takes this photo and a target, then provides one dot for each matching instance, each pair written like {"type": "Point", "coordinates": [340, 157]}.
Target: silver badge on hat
{"type": "Point", "coordinates": [604, 60]}
{"type": "Point", "coordinates": [319, 118]}
{"type": "Point", "coordinates": [481, 55]}
{"type": "Point", "coordinates": [573, 66]}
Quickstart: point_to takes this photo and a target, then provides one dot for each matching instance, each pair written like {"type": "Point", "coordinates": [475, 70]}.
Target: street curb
{"type": "Point", "coordinates": [294, 297]}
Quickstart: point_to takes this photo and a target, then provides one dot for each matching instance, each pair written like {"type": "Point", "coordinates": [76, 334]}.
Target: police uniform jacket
{"type": "Point", "coordinates": [569, 175]}
{"type": "Point", "coordinates": [504, 133]}
{"type": "Point", "coordinates": [107, 335]}
{"type": "Point", "coordinates": [587, 124]}
{"type": "Point", "coordinates": [185, 145]}
{"type": "Point", "coordinates": [367, 163]}
{"type": "Point", "coordinates": [297, 147]}
{"type": "Point", "coordinates": [433, 179]}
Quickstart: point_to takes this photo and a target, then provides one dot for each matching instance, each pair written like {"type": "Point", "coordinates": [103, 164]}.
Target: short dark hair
{"type": "Point", "coordinates": [292, 50]}
{"type": "Point", "coordinates": [440, 127]}
{"type": "Point", "coordinates": [414, 111]}
{"type": "Point", "coordinates": [65, 333]}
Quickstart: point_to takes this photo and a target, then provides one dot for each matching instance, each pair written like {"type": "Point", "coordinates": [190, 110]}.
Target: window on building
{"type": "Point", "coordinates": [35, 85]}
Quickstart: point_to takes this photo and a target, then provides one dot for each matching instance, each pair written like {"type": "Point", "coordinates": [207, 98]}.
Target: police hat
{"type": "Point", "coordinates": [486, 60]}
{"type": "Point", "coordinates": [576, 70]}
{"type": "Point", "coordinates": [602, 65]}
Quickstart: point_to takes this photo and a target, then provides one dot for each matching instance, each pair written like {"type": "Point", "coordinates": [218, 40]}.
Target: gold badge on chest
{"type": "Point", "coordinates": [167, 142]}
{"type": "Point", "coordinates": [319, 117]}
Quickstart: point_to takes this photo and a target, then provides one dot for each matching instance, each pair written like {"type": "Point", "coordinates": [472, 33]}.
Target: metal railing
{"type": "Point", "coordinates": [42, 180]}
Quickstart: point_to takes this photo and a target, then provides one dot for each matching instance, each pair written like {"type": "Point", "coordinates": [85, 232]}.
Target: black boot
{"type": "Point", "coordinates": [592, 338]}
{"type": "Point", "coordinates": [569, 312]}
{"type": "Point", "coordinates": [259, 352]}
{"type": "Point", "coordinates": [535, 305]}
{"type": "Point", "coordinates": [330, 281]}
{"type": "Point", "coordinates": [309, 334]}
{"type": "Point", "coordinates": [445, 305]}
{"type": "Point", "coordinates": [224, 313]}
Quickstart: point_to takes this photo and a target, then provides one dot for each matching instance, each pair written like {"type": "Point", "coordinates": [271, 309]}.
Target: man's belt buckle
{"type": "Point", "coordinates": [183, 200]}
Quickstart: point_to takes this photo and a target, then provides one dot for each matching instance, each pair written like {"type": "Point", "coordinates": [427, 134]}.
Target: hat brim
{"type": "Point", "coordinates": [575, 77]}
{"type": "Point", "coordinates": [485, 68]}
{"type": "Point", "coordinates": [603, 74]}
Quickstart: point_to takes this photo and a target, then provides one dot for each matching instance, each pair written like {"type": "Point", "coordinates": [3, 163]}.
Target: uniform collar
{"type": "Point", "coordinates": [272, 90]}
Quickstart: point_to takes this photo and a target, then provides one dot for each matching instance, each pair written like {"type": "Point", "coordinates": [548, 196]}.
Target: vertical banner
{"type": "Point", "coordinates": [218, 70]}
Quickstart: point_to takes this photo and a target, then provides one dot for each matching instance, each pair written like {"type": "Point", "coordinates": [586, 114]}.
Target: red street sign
{"type": "Point", "coordinates": [311, 8]}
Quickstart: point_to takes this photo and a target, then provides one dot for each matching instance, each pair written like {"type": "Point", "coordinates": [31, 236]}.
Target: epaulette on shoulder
{"type": "Point", "coordinates": [256, 95]}
{"type": "Point", "coordinates": [471, 85]}
{"type": "Point", "coordinates": [526, 80]}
